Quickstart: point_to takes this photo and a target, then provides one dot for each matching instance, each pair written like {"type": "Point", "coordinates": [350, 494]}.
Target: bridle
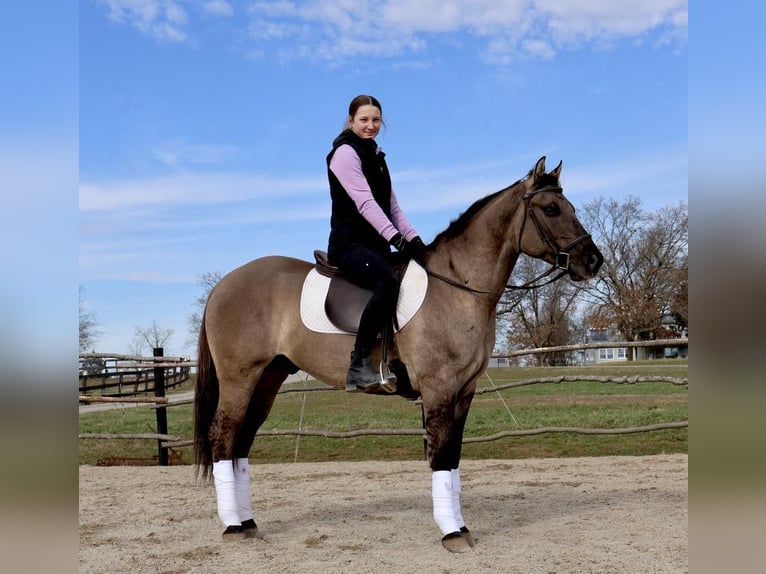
{"type": "Point", "coordinates": [562, 257]}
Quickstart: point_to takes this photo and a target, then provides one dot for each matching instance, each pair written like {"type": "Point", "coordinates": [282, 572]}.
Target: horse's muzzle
{"type": "Point", "coordinates": [590, 262]}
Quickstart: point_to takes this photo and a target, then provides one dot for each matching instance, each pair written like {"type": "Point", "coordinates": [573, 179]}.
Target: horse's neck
{"type": "Point", "coordinates": [483, 256]}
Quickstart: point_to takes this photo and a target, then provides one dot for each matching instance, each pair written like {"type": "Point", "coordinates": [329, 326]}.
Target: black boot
{"type": "Point", "coordinates": [362, 377]}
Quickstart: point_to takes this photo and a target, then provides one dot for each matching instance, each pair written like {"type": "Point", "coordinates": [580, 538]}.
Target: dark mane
{"type": "Point", "coordinates": [457, 226]}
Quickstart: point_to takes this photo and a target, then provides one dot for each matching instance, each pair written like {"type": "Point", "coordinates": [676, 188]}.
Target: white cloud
{"type": "Point", "coordinates": [333, 31]}
{"type": "Point", "coordinates": [437, 188]}
{"type": "Point", "coordinates": [179, 153]}
{"type": "Point", "coordinates": [538, 48]}
{"type": "Point", "coordinates": [218, 8]}
{"type": "Point", "coordinates": [658, 177]}
{"type": "Point", "coordinates": [582, 20]}
{"type": "Point", "coordinates": [538, 28]}
{"type": "Point", "coordinates": [164, 20]}
{"type": "Point", "coordinates": [189, 189]}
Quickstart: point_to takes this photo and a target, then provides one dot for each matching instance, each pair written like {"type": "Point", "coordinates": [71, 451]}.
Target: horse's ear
{"type": "Point", "coordinates": [539, 168]}
{"type": "Point", "coordinates": [556, 172]}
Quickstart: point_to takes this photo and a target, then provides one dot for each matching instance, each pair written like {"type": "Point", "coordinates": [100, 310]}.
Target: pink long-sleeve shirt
{"type": "Point", "coordinates": [347, 167]}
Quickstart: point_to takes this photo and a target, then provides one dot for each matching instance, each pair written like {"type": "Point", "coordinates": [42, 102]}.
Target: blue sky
{"type": "Point", "coordinates": [203, 125]}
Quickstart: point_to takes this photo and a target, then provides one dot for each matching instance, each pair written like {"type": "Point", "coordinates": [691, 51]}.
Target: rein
{"type": "Point", "coordinates": [562, 258]}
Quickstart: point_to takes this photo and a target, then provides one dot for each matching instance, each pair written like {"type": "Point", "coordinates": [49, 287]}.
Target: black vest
{"type": "Point", "coordinates": [347, 226]}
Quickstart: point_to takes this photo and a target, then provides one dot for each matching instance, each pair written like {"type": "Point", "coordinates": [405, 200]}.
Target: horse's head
{"type": "Point", "coordinates": [551, 231]}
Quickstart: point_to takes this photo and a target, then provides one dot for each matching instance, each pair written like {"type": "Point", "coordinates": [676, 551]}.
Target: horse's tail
{"type": "Point", "coordinates": [205, 403]}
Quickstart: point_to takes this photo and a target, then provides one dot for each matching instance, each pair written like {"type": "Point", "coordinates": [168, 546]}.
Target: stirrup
{"type": "Point", "coordinates": [387, 380]}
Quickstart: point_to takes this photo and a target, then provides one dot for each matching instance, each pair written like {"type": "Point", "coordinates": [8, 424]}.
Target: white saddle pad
{"type": "Point", "coordinates": [411, 296]}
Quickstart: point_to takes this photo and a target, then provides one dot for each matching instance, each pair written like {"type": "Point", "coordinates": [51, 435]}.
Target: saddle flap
{"type": "Point", "coordinates": [345, 302]}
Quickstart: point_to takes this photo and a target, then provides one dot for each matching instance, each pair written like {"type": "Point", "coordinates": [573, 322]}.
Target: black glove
{"type": "Point", "coordinates": [415, 249]}
{"type": "Point", "coordinates": [399, 242]}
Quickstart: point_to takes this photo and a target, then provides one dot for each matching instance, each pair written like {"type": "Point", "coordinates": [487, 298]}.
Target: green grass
{"type": "Point", "coordinates": [569, 404]}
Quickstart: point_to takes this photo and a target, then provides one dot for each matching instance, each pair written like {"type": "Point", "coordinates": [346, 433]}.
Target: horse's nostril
{"type": "Point", "coordinates": [593, 262]}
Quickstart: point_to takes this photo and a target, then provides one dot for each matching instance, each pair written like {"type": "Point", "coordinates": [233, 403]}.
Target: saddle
{"type": "Point", "coordinates": [345, 300]}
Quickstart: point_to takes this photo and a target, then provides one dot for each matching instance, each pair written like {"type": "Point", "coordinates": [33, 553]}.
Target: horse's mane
{"type": "Point", "coordinates": [458, 226]}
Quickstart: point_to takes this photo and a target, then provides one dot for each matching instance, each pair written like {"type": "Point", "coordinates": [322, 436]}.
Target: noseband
{"type": "Point", "coordinates": [562, 254]}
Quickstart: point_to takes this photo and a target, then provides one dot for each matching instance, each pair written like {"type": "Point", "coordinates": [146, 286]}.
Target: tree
{"type": "Point", "coordinates": [152, 336]}
{"type": "Point", "coordinates": [137, 346]}
{"type": "Point", "coordinates": [207, 281]}
{"type": "Point", "coordinates": [88, 323]}
{"type": "Point", "coordinates": [643, 282]}
{"type": "Point", "coordinates": [543, 316]}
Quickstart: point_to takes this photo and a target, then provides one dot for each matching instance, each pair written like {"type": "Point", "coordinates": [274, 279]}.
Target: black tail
{"type": "Point", "coordinates": [205, 404]}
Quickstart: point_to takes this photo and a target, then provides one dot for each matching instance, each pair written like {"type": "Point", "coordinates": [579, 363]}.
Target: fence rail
{"type": "Point", "coordinates": [128, 375]}
{"type": "Point", "coordinates": [166, 441]}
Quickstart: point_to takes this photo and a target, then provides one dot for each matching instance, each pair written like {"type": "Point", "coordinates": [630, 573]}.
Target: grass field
{"type": "Point", "coordinates": [585, 404]}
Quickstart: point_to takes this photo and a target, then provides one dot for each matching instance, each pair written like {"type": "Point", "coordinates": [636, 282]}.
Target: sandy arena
{"type": "Point", "coordinates": [594, 515]}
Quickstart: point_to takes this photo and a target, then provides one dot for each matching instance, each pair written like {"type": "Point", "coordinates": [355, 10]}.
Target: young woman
{"type": "Point", "coordinates": [366, 220]}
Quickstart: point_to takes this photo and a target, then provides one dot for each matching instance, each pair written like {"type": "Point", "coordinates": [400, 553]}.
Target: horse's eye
{"type": "Point", "coordinates": [551, 210]}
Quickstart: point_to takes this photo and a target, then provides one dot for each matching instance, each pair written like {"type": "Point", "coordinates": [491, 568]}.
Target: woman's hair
{"type": "Point", "coordinates": [363, 100]}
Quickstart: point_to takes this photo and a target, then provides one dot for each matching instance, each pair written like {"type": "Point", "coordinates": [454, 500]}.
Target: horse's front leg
{"type": "Point", "coordinates": [445, 421]}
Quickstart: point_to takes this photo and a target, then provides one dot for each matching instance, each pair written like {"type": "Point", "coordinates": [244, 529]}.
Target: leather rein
{"type": "Point", "coordinates": [562, 257]}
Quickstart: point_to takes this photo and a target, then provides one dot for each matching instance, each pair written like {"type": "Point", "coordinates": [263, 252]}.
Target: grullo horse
{"type": "Point", "coordinates": [252, 337]}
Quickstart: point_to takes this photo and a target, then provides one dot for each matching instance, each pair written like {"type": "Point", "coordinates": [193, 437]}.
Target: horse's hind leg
{"type": "Point", "coordinates": [239, 416]}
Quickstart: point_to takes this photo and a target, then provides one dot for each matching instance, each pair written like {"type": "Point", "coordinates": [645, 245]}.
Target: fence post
{"type": "Point", "coordinates": [162, 415]}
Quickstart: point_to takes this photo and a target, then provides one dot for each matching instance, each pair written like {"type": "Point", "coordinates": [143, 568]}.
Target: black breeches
{"type": "Point", "coordinates": [369, 269]}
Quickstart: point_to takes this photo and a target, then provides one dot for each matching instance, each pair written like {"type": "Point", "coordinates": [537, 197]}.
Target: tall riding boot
{"type": "Point", "coordinates": [362, 377]}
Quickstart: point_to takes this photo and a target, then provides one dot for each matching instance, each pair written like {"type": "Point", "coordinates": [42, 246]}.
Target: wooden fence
{"type": "Point", "coordinates": [112, 375]}
{"type": "Point", "coordinates": [166, 441]}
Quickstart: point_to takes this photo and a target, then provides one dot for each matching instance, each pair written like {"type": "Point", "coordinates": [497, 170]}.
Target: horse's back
{"type": "Point", "coordinates": [262, 275]}
{"type": "Point", "coordinates": [251, 301]}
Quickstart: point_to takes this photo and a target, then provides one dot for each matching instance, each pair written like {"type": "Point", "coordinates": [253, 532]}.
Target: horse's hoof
{"type": "Point", "coordinates": [468, 536]}
{"type": "Point", "coordinates": [233, 533]}
{"type": "Point", "coordinates": [250, 528]}
{"type": "Point", "coordinates": [455, 542]}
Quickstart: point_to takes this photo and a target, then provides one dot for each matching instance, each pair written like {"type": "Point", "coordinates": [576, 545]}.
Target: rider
{"type": "Point", "coordinates": [366, 219]}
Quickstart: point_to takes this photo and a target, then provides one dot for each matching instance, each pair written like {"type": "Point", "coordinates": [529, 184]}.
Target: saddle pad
{"type": "Point", "coordinates": [412, 293]}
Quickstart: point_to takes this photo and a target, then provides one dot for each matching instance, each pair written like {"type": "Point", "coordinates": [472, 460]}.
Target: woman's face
{"type": "Point", "coordinates": [366, 122]}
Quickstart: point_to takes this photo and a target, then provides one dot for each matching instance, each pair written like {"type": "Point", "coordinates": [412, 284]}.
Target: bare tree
{"type": "Point", "coordinates": [207, 281]}
{"type": "Point", "coordinates": [88, 323]}
{"type": "Point", "coordinates": [643, 282]}
{"type": "Point", "coordinates": [137, 346]}
{"type": "Point", "coordinates": [152, 337]}
{"type": "Point", "coordinates": [540, 317]}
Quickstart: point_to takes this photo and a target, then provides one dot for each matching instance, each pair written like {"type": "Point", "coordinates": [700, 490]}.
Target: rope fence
{"type": "Point", "coordinates": [167, 441]}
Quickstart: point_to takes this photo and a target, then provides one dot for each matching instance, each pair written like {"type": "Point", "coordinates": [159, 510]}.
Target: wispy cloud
{"type": "Point", "coordinates": [189, 188]}
{"type": "Point", "coordinates": [256, 197]}
{"type": "Point", "coordinates": [164, 20]}
{"type": "Point", "coordinates": [180, 153]}
{"type": "Point", "coordinates": [331, 32]}
{"type": "Point", "coordinates": [658, 178]}
{"type": "Point", "coordinates": [218, 8]}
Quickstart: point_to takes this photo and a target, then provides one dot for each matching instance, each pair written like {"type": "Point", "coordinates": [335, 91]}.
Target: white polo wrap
{"type": "Point", "coordinates": [225, 491]}
{"type": "Point", "coordinates": [242, 488]}
{"type": "Point", "coordinates": [444, 510]}
{"type": "Point", "coordinates": [456, 488]}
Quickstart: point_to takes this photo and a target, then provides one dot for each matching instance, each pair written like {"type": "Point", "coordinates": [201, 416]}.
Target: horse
{"type": "Point", "coordinates": [252, 338]}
